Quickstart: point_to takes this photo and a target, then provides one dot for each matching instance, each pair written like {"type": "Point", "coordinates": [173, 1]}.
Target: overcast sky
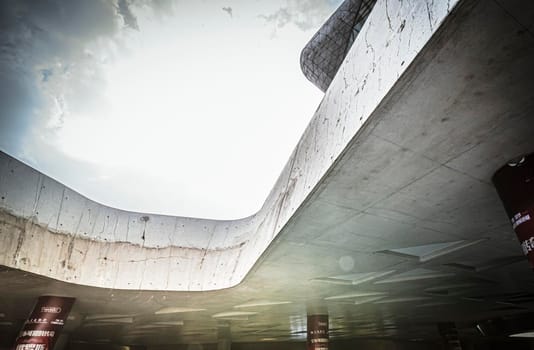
{"type": "Point", "coordinates": [188, 108]}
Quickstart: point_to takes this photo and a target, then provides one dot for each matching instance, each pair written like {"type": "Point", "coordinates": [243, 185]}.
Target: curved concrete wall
{"type": "Point", "coordinates": [48, 229]}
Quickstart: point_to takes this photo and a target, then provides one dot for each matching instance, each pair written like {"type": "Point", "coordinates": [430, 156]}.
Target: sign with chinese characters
{"type": "Point", "coordinates": [41, 330]}
{"type": "Point", "coordinates": [317, 332]}
{"type": "Point", "coordinates": [515, 185]}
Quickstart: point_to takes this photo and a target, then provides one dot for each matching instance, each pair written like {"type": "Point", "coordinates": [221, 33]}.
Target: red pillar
{"type": "Point", "coordinates": [515, 186]}
{"type": "Point", "coordinates": [42, 328]}
{"type": "Point", "coordinates": [317, 332]}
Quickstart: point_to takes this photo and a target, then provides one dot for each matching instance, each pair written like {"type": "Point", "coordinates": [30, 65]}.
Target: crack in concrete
{"type": "Point", "coordinates": [60, 208]}
{"type": "Point", "coordinates": [387, 15]}
{"type": "Point", "coordinates": [430, 14]}
{"type": "Point", "coordinates": [39, 191]}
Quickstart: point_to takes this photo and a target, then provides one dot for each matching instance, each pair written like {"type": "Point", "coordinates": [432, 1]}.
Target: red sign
{"type": "Point", "coordinates": [515, 185]}
{"type": "Point", "coordinates": [317, 332]}
{"type": "Point", "coordinates": [41, 330]}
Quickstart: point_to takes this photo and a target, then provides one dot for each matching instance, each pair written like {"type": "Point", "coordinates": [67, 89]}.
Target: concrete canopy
{"type": "Point", "coordinates": [384, 216]}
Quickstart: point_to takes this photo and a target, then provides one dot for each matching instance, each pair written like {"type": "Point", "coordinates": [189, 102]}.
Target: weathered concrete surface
{"type": "Point", "coordinates": [416, 178]}
{"type": "Point", "coordinates": [56, 232]}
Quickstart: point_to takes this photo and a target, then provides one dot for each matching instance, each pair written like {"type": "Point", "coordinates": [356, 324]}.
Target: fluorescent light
{"type": "Point", "coordinates": [523, 335]}
{"type": "Point", "coordinates": [431, 251]}
{"type": "Point", "coordinates": [176, 310]}
{"type": "Point", "coordinates": [353, 279]}
{"type": "Point", "coordinates": [400, 300]}
{"type": "Point", "coordinates": [365, 300]}
{"type": "Point", "coordinates": [354, 295]}
{"type": "Point", "coordinates": [231, 314]}
{"type": "Point", "coordinates": [415, 275]}
{"type": "Point", "coordinates": [169, 323]}
{"type": "Point", "coordinates": [100, 324]}
{"type": "Point", "coordinates": [261, 303]}
{"type": "Point", "coordinates": [114, 320]}
{"type": "Point", "coordinates": [437, 303]}
{"type": "Point", "coordinates": [104, 316]}
{"type": "Point", "coordinates": [154, 326]}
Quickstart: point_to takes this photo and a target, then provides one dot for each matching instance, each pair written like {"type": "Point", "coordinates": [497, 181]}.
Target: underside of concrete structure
{"type": "Point", "coordinates": [384, 218]}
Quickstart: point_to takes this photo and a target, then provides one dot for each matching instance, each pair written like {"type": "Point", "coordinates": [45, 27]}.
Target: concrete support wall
{"type": "Point", "coordinates": [48, 229]}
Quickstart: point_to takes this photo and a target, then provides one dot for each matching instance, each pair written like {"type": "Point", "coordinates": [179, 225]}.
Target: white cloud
{"type": "Point", "coordinates": [194, 114]}
{"type": "Point", "coordinates": [305, 14]}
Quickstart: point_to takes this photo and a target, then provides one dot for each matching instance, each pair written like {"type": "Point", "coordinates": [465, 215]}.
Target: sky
{"type": "Point", "coordinates": [187, 108]}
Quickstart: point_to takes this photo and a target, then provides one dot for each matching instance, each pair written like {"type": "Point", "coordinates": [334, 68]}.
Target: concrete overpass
{"type": "Point", "coordinates": [384, 217]}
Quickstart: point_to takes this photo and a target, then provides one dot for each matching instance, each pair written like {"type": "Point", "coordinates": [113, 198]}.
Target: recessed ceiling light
{"type": "Point", "coordinates": [523, 335]}
{"type": "Point", "coordinates": [365, 300]}
{"type": "Point", "coordinates": [450, 286]}
{"type": "Point", "coordinates": [230, 314]}
{"type": "Point", "coordinates": [262, 303]}
{"type": "Point", "coordinates": [354, 278]}
{"type": "Point", "coordinates": [153, 326]}
{"type": "Point", "coordinates": [114, 320]}
{"type": "Point", "coordinates": [354, 295]}
{"type": "Point", "coordinates": [104, 316]}
{"type": "Point", "coordinates": [437, 303]}
{"type": "Point", "coordinates": [431, 251]}
{"type": "Point", "coordinates": [331, 280]}
{"type": "Point", "coordinates": [170, 323]}
{"type": "Point", "coordinates": [100, 324]}
{"type": "Point", "coordinates": [176, 310]}
{"type": "Point", "coordinates": [143, 332]}
{"type": "Point", "coordinates": [260, 325]}
{"type": "Point", "coordinates": [415, 275]}
{"type": "Point", "coordinates": [400, 300]}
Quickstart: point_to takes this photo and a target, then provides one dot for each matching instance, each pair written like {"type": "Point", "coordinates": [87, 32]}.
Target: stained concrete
{"type": "Point", "coordinates": [68, 237]}
{"type": "Point", "coordinates": [415, 170]}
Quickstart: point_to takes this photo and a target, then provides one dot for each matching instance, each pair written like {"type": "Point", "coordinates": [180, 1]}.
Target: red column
{"type": "Point", "coordinates": [317, 332]}
{"type": "Point", "coordinates": [515, 185]}
{"type": "Point", "coordinates": [41, 330]}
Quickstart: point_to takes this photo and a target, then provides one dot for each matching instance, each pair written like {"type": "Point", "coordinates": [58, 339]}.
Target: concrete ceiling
{"type": "Point", "coordinates": [401, 231]}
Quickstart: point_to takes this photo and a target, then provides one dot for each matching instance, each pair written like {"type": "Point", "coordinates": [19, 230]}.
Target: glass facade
{"type": "Point", "coordinates": [322, 56]}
